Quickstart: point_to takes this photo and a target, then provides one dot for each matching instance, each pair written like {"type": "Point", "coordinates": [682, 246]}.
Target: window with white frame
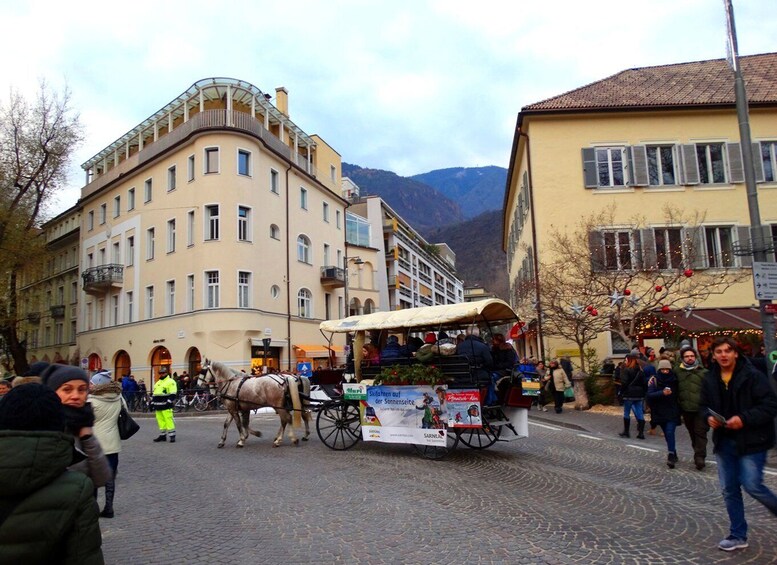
{"type": "Point", "coordinates": [171, 179]}
{"type": "Point", "coordinates": [149, 302]}
{"type": "Point", "coordinates": [117, 207]}
{"type": "Point", "coordinates": [171, 236]}
{"type": "Point", "coordinates": [211, 222]}
{"type": "Point", "coordinates": [73, 331]}
{"type": "Point", "coordinates": [190, 228]}
{"type": "Point", "coordinates": [244, 162]}
{"type": "Point", "coordinates": [769, 160]}
{"type": "Point", "coordinates": [613, 250]}
{"type": "Point", "coordinates": [275, 231]}
{"type": "Point", "coordinates": [90, 220]}
{"type": "Point", "coordinates": [243, 289]}
{"type": "Point", "coordinates": [711, 162]}
{"type": "Point", "coordinates": [130, 306]}
{"type": "Point", "coordinates": [304, 303]}
{"type": "Point", "coordinates": [131, 199]}
{"type": "Point", "coordinates": [130, 259]}
{"type": "Point", "coordinates": [115, 310]}
{"type": "Point", "coordinates": [189, 293]}
{"type": "Point", "coordinates": [74, 292]}
{"type": "Point", "coordinates": [190, 168]}
{"type": "Point", "coordinates": [115, 253]}
{"type": "Point", "coordinates": [611, 167]}
{"type": "Point", "coordinates": [337, 218]}
{"type": "Point", "coordinates": [148, 190]}
{"type": "Point", "coordinates": [326, 254]}
{"type": "Point", "coordinates": [150, 243]}
{"type": "Point", "coordinates": [211, 160]}
{"type": "Point", "coordinates": [170, 298]}
{"type": "Point", "coordinates": [211, 289]}
{"type": "Point", "coordinates": [719, 242]}
{"type": "Point", "coordinates": [274, 181]}
{"type": "Point", "coordinates": [303, 198]}
{"type": "Point", "coordinates": [303, 249]}
{"type": "Point", "coordinates": [243, 223]}
{"type": "Point", "coordinates": [103, 213]}
{"type": "Point", "coordinates": [325, 211]}
{"type": "Point", "coordinates": [661, 165]}
{"type": "Point", "coordinates": [332, 173]}
{"type": "Point", "coordinates": [669, 247]}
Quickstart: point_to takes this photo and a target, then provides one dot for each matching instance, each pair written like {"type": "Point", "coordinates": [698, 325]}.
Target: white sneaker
{"type": "Point", "coordinates": [731, 543]}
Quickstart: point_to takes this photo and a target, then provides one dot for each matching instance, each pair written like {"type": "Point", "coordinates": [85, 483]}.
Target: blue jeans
{"type": "Point", "coordinates": [636, 406]}
{"type": "Point", "coordinates": [737, 471]}
{"type": "Point", "coordinates": [669, 428]}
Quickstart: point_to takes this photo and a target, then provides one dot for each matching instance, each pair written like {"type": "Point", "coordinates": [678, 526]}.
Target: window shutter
{"type": "Point", "coordinates": [743, 240]}
{"type": "Point", "coordinates": [590, 174]}
{"type": "Point", "coordinates": [697, 252]}
{"type": "Point", "coordinates": [636, 250]}
{"type": "Point", "coordinates": [690, 166]}
{"type": "Point", "coordinates": [649, 259]}
{"type": "Point", "coordinates": [758, 162]}
{"type": "Point", "coordinates": [595, 245]}
{"type": "Point", "coordinates": [639, 168]}
{"type": "Point", "coordinates": [736, 170]}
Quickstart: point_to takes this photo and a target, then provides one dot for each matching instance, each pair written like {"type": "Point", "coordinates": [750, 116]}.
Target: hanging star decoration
{"type": "Point", "coordinates": [634, 299]}
{"type": "Point", "coordinates": [688, 310]}
{"type": "Point", "coordinates": [576, 308]}
{"type": "Point", "coordinates": [616, 299]}
{"type": "Point", "coordinates": [534, 304]}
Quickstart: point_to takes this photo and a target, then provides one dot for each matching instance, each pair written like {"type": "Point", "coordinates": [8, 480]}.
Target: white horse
{"type": "Point", "coordinates": [241, 393]}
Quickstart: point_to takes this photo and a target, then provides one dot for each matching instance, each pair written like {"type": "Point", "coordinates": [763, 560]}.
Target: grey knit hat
{"type": "Point", "coordinates": [54, 376]}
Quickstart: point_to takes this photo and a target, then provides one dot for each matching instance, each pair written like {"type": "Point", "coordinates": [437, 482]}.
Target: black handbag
{"type": "Point", "coordinates": [127, 426]}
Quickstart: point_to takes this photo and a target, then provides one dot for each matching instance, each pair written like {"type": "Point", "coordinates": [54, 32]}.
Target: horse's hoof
{"type": "Point", "coordinates": [239, 445]}
{"type": "Point", "coordinates": [220, 445]}
{"type": "Point", "coordinates": [305, 438]}
{"type": "Point", "coordinates": [276, 444]}
{"type": "Point", "coordinates": [295, 442]}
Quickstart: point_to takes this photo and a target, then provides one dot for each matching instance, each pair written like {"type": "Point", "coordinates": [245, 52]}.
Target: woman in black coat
{"type": "Point", "coordinates": [665, 406]}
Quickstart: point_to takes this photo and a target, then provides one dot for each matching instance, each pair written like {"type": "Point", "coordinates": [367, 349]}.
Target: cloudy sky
{"type": "Point", "coordinates": [404, 85]}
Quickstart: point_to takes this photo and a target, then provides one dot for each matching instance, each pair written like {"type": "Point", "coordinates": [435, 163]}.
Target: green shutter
{"type": "Point", "coordinates": [590, 174]}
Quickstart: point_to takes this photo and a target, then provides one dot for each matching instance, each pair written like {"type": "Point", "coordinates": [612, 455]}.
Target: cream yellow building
{"type": "Point", "coordinates": [215, 223]}
{"type": "Point", "coordinates": [642, 139]}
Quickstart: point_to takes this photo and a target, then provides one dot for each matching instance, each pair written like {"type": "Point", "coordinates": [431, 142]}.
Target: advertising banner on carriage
{"type": "Point", "coordinates": [404, 414]}
{"type": "Point", "coordinates": [464, 408]}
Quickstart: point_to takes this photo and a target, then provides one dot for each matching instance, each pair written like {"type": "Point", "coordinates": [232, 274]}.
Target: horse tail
{"type": "Point", "coordinates": [296, 403]}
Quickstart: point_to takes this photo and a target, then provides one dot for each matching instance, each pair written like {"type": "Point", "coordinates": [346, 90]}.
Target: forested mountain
{"type": "Point", "coordinates": [476, 189]}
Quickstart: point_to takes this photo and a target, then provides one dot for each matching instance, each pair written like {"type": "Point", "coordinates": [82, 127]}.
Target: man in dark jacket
{"type": "Point", "coordinates": [741, 407]}
{"type": "Point", "coordinates": [690, 376]}
{"type": "Point", "coordinates": [47, 514]}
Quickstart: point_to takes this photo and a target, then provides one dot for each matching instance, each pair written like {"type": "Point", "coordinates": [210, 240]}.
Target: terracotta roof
{"type": "Point", "coordinates": [702, 83]}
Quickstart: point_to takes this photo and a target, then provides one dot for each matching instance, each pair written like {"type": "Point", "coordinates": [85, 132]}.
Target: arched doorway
{"type": "Point", "coordinates": [193, 361]}
{"type": "Point", "coordinates": [95, 363]}
{"type": "Point", "coordinates": [369, 306]}
{"type": "Point", "coordinates": [160, 357]}
{"type": "Point", "coordinates": [354, 308]}
{"type": "Point", "coordinates": [122, 364]}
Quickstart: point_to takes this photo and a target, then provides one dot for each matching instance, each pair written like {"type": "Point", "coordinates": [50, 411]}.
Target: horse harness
{"type": "Point", "coordinates": [221, 390]}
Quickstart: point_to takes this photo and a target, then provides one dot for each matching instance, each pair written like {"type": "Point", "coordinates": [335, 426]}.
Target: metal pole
{"type": "Point", "coordinates": [756, 229]}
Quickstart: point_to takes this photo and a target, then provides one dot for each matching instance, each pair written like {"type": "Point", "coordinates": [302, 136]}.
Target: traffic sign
{"type": "Point", "coordinates": [770, 308]}
{"type": "Point", "coordinates": [765, 280]}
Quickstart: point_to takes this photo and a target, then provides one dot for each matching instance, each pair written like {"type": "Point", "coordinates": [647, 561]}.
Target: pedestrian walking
{"type": "Point", "coordinates": [662, 393]}
{"type": "Point", "coordinates": [558, 377]}
{"type": "Point", "coordinates": [106, 399]}
{"type": "Point", "coordinates": [162, 402]}
{"type": "Point", "coordinates": [741, 406]}
{"type": "Point", "coordinates": [47, 514]}
{"type": "Point", "coordinates": [129, 390]}
{"type": "Point", "coordinates": [690, 378]}
{"type": "Point", "coordinates": [633, 390]}
{"type": "Point", "coordinates": [72, 386]}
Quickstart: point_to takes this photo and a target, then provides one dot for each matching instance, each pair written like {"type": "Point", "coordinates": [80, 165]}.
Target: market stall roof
{"type": "Point", "coordinates": [710, 319]}
{"type": "Point", "coordinates": [312, 350]}
{"type": "Point", "coordinates": [494, 311]}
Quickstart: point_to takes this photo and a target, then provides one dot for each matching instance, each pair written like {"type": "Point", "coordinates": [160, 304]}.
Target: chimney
{"type": "Point", "coordinates": [282, 100]}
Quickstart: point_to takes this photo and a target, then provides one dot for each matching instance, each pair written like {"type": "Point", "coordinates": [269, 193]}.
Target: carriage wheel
{"type": "Point", "coordinates": [480, 438]}
{"type": "Point", "coordinates": [338, 425]}
{"type": "Point", "coordinates": [439, 452]}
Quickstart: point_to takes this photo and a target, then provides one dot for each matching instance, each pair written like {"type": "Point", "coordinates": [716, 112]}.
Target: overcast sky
{"type": "Point", "coordinates": [407, 86]}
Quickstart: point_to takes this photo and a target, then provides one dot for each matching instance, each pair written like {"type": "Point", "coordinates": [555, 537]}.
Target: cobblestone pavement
{"type": "Point", "coordinates": [573, 492]}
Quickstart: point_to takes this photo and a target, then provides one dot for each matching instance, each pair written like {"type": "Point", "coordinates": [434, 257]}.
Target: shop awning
{"type": "Point", "coordinates": [314, 351]}
{"type": "Point", "coordinates": [711, 319]}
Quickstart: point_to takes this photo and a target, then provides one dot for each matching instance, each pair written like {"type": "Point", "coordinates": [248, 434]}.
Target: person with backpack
{"type": "Point", "coordinates": [633, 390]}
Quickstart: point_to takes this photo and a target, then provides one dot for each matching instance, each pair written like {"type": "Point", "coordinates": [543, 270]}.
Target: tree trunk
{"type": "Point", "coordinates": [16, 350]}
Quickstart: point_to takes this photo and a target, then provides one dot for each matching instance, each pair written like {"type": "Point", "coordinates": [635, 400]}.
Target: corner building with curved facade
{"type": "Point", "coordinates": [214, 224]}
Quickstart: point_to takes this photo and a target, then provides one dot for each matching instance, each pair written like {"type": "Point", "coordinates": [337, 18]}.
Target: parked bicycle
{"type": "Point", "coordinates": [190, 399]}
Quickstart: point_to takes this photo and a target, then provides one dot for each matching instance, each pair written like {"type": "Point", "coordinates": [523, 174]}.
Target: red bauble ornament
{"type": "Point", "coordinates": [665, 309]}
{"type": "Point", "coordinates": [688, 272]}
{"type": "Point", "coordinates": [659, 288]}
{"type": "Point", "coordinates": [594, 312]}
{"type": "Point", "coordinates": [626, 292]}
{"type": "Point", "coordinates": [589, 308]}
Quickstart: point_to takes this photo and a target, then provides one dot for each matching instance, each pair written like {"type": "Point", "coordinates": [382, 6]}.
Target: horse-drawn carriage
{"type": "Point", "coordinates": [458, 401]}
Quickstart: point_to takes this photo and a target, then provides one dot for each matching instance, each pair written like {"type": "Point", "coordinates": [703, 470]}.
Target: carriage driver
{"type": "Point", "coordinates": [165, 390]}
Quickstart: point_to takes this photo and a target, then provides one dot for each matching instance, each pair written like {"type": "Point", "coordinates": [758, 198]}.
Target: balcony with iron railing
{"type": "Point", "coordinates": [333, 277]}
{"type": "Point", "coordinates": [58, 311]}
{"type": "Point", "coordinates": [101, 279]}
{"type": "Point", "coordinates": [33, 317]}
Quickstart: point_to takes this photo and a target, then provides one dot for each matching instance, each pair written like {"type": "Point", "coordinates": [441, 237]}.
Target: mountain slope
{"type": "Point", "coordinates": [476, 189]}
{"type": "Point", "coordinates": [422, 206]}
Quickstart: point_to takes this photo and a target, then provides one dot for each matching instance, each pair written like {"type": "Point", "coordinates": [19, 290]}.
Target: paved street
{"type": "Point", "coordinates": [572, 493]}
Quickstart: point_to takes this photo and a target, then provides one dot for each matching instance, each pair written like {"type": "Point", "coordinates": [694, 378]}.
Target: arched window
{"type": "Point", "coordinates": [369, 306]}
{"type": "Point", "coordinates": [303, 249]}
{"type": "Point", "coordinates": [304, 303]}
{"type": "Point", "coordinates": [275, 231]}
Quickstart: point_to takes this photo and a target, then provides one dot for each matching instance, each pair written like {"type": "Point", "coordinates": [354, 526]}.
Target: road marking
{"type": "Point", "coordinates": [589, 437]}
{"type": "Point", "coordinates": [555, 429]}
{"type": "Point", "coordinates": [772, 473]}
{"type": "Point", "coordinates": [642, 448]}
